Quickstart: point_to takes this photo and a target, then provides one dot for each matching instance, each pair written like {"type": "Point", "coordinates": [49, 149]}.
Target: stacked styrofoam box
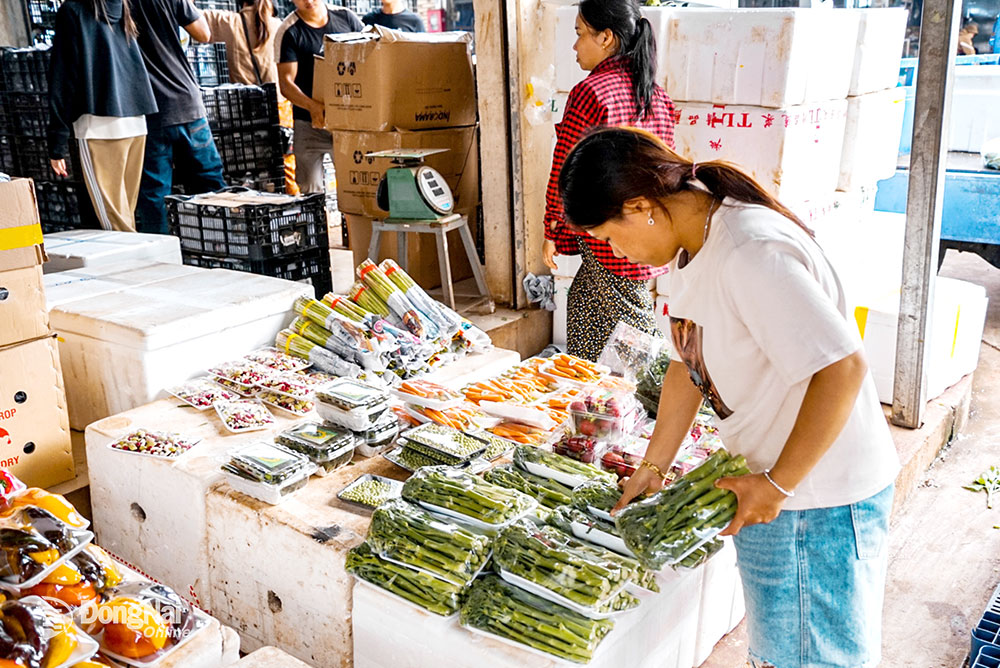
{"type": "Point", "coordinates": [567, 265]}
{"type": "Point", "coordinates": [80, 249]}
{"type": "Point", "coordinates": [975, 107]}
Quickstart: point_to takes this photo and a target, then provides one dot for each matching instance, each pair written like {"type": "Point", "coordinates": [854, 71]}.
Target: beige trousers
{"type": "Point", "coordinates": [112, 170]}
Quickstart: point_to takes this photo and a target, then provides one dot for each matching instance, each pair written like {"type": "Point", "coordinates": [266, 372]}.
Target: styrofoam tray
{"type": "Point", "coordinates": [146, 454]}
{"type": "Point", "coordinates": [558, 599]}
{"type": "Point", "coordinates": [201, 620]}
{"type": "Point", "coordinates": [602, 538]}
{"type": "Point", "coordinates": [558, 660]}
{"type": "Point", "coordinates": [264, 399]}
{"type": "Point", "coordinates": [395, 489]}
{"type": "Point", "coordinates": [602, 514]}
{"type": "Point", "coordinates": [271, 494]}
{"type": "Point", "coordinates": [523, 414]}
{"type": "Point", "coordinates": [472, 521]}
{"type": "Point", "coordinates": [204, 381]}
{"type": "Point", "coordinates": [438, 576]}
{"type": "Point", "coordinates": [567, 479]}
{"type": "Point", "coordinates": [297, 363]}
{"type": "Point", "coordinates": [87, 538]}
{"type": "Point", "coordinates": [245, 391]}
{"type": "Point", "coordinates": [220, 407]}
{"type": "Point", "coordinates": [426, 402]}
{"type": "Point", "coordinates": [86, 646]}
{"type": "Point", "coordinates": [396, 596]}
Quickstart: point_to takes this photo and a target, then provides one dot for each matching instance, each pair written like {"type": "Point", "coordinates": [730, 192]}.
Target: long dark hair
{"type": "Point", "coordinates": [263, 10]}
{"type": "Point", "coordinates": [611, 166]}
{"type": "Point", "coordinates": [635, 39]}
{"type": "Point", "coordinates": [100, 9]}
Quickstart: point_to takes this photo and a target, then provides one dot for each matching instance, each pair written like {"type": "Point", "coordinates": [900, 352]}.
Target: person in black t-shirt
{"type": "Point", "coordinates": [299, 38]}
{"type": "Point", "coordinates": [394, 14]}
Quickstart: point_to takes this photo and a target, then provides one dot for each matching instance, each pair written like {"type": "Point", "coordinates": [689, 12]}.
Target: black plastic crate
{"type": "Point", "coordinates": [26, 70]}
{"type": "Point", "coordinates": [312, 267]}
{"type": "Point", "coordinates": [31, 156]}
{"type": "Point", "coordinates": [225, 5]}
{"type": "Point", "coordinates": [8, 164]}
{"type": "Point", "coordinates": [6, 120]}
{"type": "Point", "coordinates": [239, 106]}
{"type": "Point", "coordinates": [64, 206]}
{"type": "Point", "coordinates": [42, 13]}
{"type": "Point", "coordinates": [252, 151]}
{"type": "Point", "coordinates": [208, 61]}
{"type": "Point", "coordinates": [31, 117]}
{"type": "Point", "coordinates": [274, 228]}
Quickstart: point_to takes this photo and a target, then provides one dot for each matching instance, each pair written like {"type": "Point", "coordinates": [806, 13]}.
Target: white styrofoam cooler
{"type": "Point", "coordinates": [763, 57]}
{"type": "Point", "coordinates": [121, 349]}
{"type": "Point", "coordinates": [879, 49]}
{"type": "Point", "coordinates": [69, 286]}
{"type": "Point", "coordinates": [975, 107]}
{"type": "Point", "coordinates": [793, 152]}
{"type": "Point", "coordinates": [78, 249]}
{"type": "Point", "coordinates": [871, 138]}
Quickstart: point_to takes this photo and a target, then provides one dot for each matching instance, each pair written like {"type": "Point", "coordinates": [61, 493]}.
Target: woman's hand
{"type": "Point", "coordinates": [643, 481]}
{"type": "Point", "coordinates": [59, 167]}
{"type": "Point", "coordinates": [758, 501]}
{"type": "Point", "coordinates": [549, 254]}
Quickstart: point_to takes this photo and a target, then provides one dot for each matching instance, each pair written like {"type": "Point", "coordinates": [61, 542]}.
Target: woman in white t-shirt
{"type": "Point", "coordinates": [760, 331]}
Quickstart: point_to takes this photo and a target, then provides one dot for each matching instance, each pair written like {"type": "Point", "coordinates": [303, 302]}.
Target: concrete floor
{"type": "Point", "coordinates": [943, 562]}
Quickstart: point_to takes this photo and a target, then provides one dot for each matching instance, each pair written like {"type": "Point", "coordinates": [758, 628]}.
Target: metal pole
{"type": "Point", "coordinates": [931, 114]}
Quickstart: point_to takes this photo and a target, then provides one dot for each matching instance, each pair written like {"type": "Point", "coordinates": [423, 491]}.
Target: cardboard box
{"type": "Point", "coordinates": [22, 294]}
{"type": "Point", "coordinates": [764, 57]}
{"type": "Point", "coordinates": [793, 152]}
{"type": "Point", "coordinates": [34, 426]}
{"type": "Point", "coordinates": [358, 176]}
{"type": "Point", "coordinates": [871, 138]}
{"type": "Point", "coordinates": [23, 314]}
{"type": "Point", "coordinates": [422, 263]}
{"type": "Point", "coordinates": [879, 50]}
{"type": "Point", "coordinates": [384, 79]}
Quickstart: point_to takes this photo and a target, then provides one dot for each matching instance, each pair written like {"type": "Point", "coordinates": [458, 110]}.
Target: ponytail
{"type": "Point", "coordinates": [100, 9]}
{"type": "Point", "coordinates": [263, 12]}
{"type": "Point", "coordinates": [636, 43]}
{"type": "Point", "coordinates": [611, 166]}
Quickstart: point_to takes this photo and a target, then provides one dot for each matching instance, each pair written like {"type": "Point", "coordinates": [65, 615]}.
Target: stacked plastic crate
{"type": "Point", "coordinates": [63, 203]}
{"type": "Point", "coordinates": [208, 62]}
{"type": "Point", "coordinates": [263, 233]}
{"type": "Point", "coordinates": [244, 121]}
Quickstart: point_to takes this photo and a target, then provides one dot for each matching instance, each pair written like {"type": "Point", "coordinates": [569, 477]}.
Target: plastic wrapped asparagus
{"type": "Point", "coordinates": [549, 493]}
{"type": "Point", "coordinates": [465, 495]}
{"type": "Point", "coordinates": [368, 300]}
{"type": "Point", "coordinates": [322, 359]}
{"type": "Point", "coordinates": [447, 321]}
{"type": "Point", "coordinates": [397, 301]}
{"type": "Point", "coordinates": [498, 608]}
{"type": "Point", "coordinates": [342, 344]}
{"type": "Point", "coordinates": [428, 592]}
{"type": "Point", "coordinates": [402, 532]}
{"type": "Point", "coordinates": [668, 526]}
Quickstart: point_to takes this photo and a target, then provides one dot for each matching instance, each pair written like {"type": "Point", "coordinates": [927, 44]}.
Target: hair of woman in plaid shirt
{"type": "Point", "coordinates": [611, 167]}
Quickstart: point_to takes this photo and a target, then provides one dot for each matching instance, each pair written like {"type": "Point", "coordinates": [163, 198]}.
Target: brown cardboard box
{"type": "Point", "coordinates": [422, 263]}
{"type": "Point", "coordinates": [358, 177]}
{"type": "Point", "coordinates": [22, 305]}
{"type": "Point", "coordinates": [319, 82]}
{"type": "Point", "coordinates": [22, 298]}
{"type": "Point", "coordinates": [34, 426]}
{"type": "Point", "coordinates": [386, 79]}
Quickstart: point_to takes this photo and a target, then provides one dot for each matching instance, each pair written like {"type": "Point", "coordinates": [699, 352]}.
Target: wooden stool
{"type": "Point", "coordinates": [440, 229]}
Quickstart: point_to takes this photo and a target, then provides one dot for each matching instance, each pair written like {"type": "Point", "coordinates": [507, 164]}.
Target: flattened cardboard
{"type": "Point", "coordinates": [358, 176]}
{"type": "Point", "coordinates": [20, 230]}
{"type": "Point", "coordinates": [384, 79]}
{"type": "Point", "coordinates": [34, 425]}
{"type": "Point", "coordinates": [23, 314]}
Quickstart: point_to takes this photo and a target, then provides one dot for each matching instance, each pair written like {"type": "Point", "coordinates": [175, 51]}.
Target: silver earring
{"type": "Point", "coordinates": [650, 220]}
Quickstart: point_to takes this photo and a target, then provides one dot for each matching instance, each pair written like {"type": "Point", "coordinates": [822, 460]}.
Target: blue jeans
{"type": "Point", "coordinates": [187, 149]}
{"type": "Point", "coordinates": [814, 582]}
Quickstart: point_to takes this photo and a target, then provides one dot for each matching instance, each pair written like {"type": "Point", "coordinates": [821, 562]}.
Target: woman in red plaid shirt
{"type": "Point", "coordinates": [616, 44]}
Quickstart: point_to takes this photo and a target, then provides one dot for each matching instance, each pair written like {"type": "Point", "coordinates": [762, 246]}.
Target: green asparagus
{"type": "Point", "coordinates": [413, 536]}
{"type": "Point", "coordinates": [599, 494]}
{"type": "Point", "coordinates": [467, 495]}
{"type": "Point", "coordinates": [427, 591]}
{"type": "Point", "coordinates": [665, 527]}
{"type": "Point", "coordinates": [506, 611]}
{"type": "Point", "coordinates": [549, 493]}
{"type": "Point", "coordinates": [527, 454]}
{"type": "Point", "coordinates": [701, 555]}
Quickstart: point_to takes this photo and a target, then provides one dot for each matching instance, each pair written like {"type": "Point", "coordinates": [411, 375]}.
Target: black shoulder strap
{"type": "Point", "coordinates": [253, 58]}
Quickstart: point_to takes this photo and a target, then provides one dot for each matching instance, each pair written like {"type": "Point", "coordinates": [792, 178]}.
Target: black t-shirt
{"type": "Point", "coordinates": [406, 21]}
{"type": "Point", "coordinates": [300, 42]}
{"type": "Point", "coordinates": [177, 95]}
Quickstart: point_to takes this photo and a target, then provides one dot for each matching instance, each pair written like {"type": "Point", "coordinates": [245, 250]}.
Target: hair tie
{"type": "Point", "coordinates": [694, 170]}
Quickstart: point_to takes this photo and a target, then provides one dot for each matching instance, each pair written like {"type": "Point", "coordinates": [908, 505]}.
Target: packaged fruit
{"type": "Point", "coordinates": [605, 415]}
{"type": "Point", "coordinates": [586, 449]}
{"type": "Point", "coordinates": [623, 459]}
{"type": "Point", "coordinates": [33, 634]}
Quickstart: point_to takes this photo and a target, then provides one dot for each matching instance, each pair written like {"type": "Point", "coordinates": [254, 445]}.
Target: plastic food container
{"type": "Point", "coordinates": [157, 444]}
{"type": "Point", "coordinates": [288, 384]}
{"type": "Point", "coordinates": [624, 459]}
{"type": "Point", "coordinates": [242, 390]}
{"type": "Point", "coordinates": [605, 415]}
{"type": "Point", "coordinates": [266, 471]}
{"type": "Point", "coordinates": [352, 404]}
{"type": "Point", "coordinates": [297, 407]}
{"type": "Point", "coordinates": [584, 449]}
{"type": "Point", "coordinates": [444, 443]}
{"type": "Point", "coordinates": [327, 447]}
{"type": "Point", "coordinates": [369, 491]}
{"type": "Point", "coordinates": [433, 395]}
{"type": "Point", "coordinates": [379, 438]}
{"type": "Point", "coordinates": [244, 415]}
{"type": "Point", "coordinates": [278, 360]}
{"type": "Point", "coordinates": [202, 393]}
{"type": "Point", "coordinates": [242, 372]}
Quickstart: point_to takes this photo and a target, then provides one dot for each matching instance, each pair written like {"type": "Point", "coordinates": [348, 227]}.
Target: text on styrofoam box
{"type": "Point", "coordinates": [720, 118]}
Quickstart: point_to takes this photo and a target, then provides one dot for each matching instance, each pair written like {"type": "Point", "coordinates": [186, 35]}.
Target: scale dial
{"type": "Point", "coordinates": [434, 190]}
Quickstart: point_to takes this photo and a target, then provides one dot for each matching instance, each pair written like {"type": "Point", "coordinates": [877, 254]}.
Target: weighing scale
{"type": "Point", "coordinates": [412, 190]}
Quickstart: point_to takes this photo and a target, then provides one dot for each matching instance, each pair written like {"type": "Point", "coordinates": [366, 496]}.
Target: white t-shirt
{"type": "Point", "coordinates": [88, 126]}
{"type": "Point", "coordinates": [754, 315]}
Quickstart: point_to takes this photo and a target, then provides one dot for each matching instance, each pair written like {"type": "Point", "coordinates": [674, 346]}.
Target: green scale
{"type": "Point", "coordinates": [412, 190]}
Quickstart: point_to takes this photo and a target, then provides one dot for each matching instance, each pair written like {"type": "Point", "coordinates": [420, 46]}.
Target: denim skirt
{"type": "Point", "coordinates": [814, 583]}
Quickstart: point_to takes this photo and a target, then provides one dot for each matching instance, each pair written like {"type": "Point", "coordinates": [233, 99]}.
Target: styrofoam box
{"type": "Point", "coordinates": [661, 633]}
{"type": "Point", "coordinates": [70, 286]}
{"type": "Point", "coordinates": [793, 152]}
{"type": "Point", "coordinates": [78, 249]}
{"type": "Point", "coordinates": [772, 58]}
{"type": "Point", "coordinates": [269, 657]}
{"type": "Point", "coordinates": [871, 138]}
{"type": "Point", "coordinates": [561, 298]}
{"type": "Point", "coordinates": [956, 332]}
{"type": "Point", "coordinates": [121, 349]}
{"type": "Point", "coordinates": [879, 49]}
{"type": "Point", "coordinates": [975, 107]}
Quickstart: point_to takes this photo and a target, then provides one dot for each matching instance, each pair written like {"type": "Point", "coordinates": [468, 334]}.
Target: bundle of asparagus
{"type": "Point", "coordinates": [447, 320]}
{"type": "Point", "coordinates": [447, 550]}
{"type": "Point", "coordinates": [669, 525]}
{"type": "Point", "coordinates": [467, 495]}
{"type": "Point", "coordinates": [398, 304]}
{"type": "Point", "coordinates": [506, 611]}
{"type": "Point", "coordinates": [368, 300]}
{"type": "Point", "coordinates": [431, 593]}
{"type": "Point", "coordinates": [322, 359]}
{"type": "Point", "coordinates": [600, 494]}
{"type": "Point", "coordinates": [553, 560]}
{"type": "Point", "coordinates": [549, 493]}
{"type": "Point", "coordinates": [527, 455]}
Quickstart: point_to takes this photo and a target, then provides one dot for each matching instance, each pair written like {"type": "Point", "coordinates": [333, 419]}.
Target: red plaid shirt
{"type": "Point", "coordinates": [605, 97]}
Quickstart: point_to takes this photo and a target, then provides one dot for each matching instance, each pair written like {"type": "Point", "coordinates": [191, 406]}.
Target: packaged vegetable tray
{"type": "Point", "coordinates": [464, 496]}
{"type": "Point", "coordinates": [369, 491]}
{"type": "Point", "coordinates": [427, 394]}
{"type": "Point", "coordinates": [283, 402]}
{"type": "Point", "coordinates": [549, 493]}
{"type": "Point", "coordinates": [444, 443]}
{"type": "Point", "coordinates": [413, 586]}
{"type": "Point", "coordinates": [36, 635]}
{"type": "Point", "coordinates": [379, 437]}
{"type": "Point", "coordinates": [266, 471]}
{"type": "Point", "coordinates": [244, 415]}
{"type": "Point", "coordinates": [273, 358]}
{"type": "Point", "coordinates": [557, 467]}
{"type": "Point", "coordinates": [202, 393]}
{"type": "Point", "coordinates": [36, 543]}
{"type": "Point", "coordinates": [161, 445]}
{"type": "Point", "coordinates": [326, 446]}
{"type": "Point", "coordinates": [352, 404]}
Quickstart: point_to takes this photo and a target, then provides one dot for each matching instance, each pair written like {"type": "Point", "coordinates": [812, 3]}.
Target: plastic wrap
{"type": "Point", "coordinates": [556, 467]}
{"type": "Point", "coordinates": [549, 493]}
{"type": "Point", "coordinates": [630, 351]}
{"type": "Point", "coordinates": [161, 445]}
{"type": "Point", "coordinates": [345, 339]}
{"type": "Point", "coordinates": [423, 590]}
{"type": "Point", "coordinates": [445, 444]}
{"type": "Point", "coordinates": [586, 449]}
{"type": "Point", "coordinates": [327, 447]}
{"type": "Point", "coordinates": [201, 393]}
{"type": "Point", "coordinates": [277, 360]}
{"type": "Point", "coordinates": [570, 370]}
{"type": "Point", "coordinates": [507, 612]}
{"type": "Point", "coordinates": [623, 459]}
{"type": "Point", "coordinates": [297, 407]}
{"type": "Point", "coordinates": [56, 504]}
{"type": "Point", "coordinates": [428, 394]}
{"type": "Point", "coordinates": [465, 495]}
{"type": "Point", "coordinates": [82, 580]}
{"type": "Point", "coordinates": [244, 415]}
{"type": "Point", "coordinates": [243, 373]}
{"type": "Point", "coordinates": [266, 462]}
{"type": "Point", "coordinates": [673, 523]}
{"type": "Point", "coordinates": [397, 301]}
{"type": "Point", "coordinates": [606, 415]}
{"type": "Point", "coordinates": [36, 635]}
{"type": "Point", "coordinates": [321, 358]}
{"type": "Point", "coordinates": [36, 543]}
{"type": "Point", "coordinates": [404, 533]}
{"type": "Point", "coordinates": [447, 321]}
{"type": "Point", "coordinates": [380, 437]}
{"type": "Point", "coordinates": [602, 495]}
{"type": "Point", "coordinates": [370, 491]}
{"type": "Point", "coordinates": [649, 382]}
